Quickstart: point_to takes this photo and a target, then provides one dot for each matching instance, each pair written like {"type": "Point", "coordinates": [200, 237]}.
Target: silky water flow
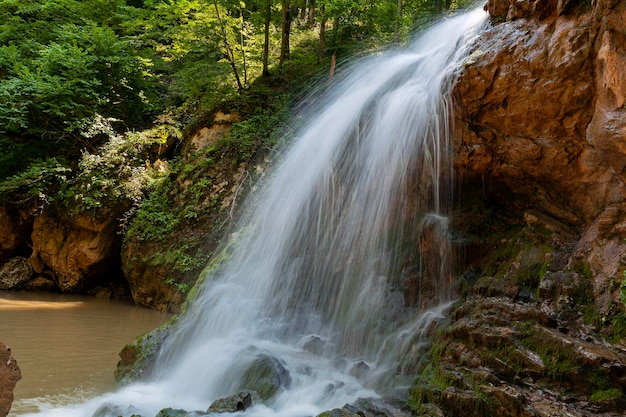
{"type": "Point", "coordinates": [342, 261]}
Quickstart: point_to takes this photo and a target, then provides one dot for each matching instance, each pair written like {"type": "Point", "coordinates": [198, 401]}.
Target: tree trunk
{"type": "Point", "coordinates": [323, 35]}
{"type": "Point", "coordinates": [311, 16]}
{"type": "Point", "coordinates": [398, 22]}
{"type": "Point", "coordinates": [266, 44]}
{"type": "Point", "coordinates": [305, 4]}
{"type": "Point", "coordinates": [285, 32]}
{"type": "Point", "coordinates": [229, 50]}
{"type": "Point", "coordinates": [243, 49]}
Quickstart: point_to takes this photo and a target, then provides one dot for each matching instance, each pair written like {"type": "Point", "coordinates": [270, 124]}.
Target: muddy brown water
{"type": "Point", "coordinates": [67, 346]}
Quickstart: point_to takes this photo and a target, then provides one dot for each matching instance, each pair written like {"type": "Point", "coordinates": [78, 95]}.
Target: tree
{"type": "Point", "coordinates": [285, 33]}
{"type": "Point", "coordinates": [54, 80]}
{"type": "Point", "coordinates": [230, 55]}
{"type": "Point", "coordinates": [266, 37]}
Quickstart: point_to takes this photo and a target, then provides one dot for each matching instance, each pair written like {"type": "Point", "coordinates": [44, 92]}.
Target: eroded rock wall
{"type": "Point", "coordinates": [541, 111]}
{"type": "Point", "coordinates": [541, 134]}
{"type": "Point", "coordinates": [10, 374]}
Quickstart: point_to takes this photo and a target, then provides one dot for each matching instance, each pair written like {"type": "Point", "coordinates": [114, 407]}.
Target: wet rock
{"type": "Point", "coordinates": [40, 284]}
{"type": "Point", "coordinates": [266, 375]}
{"type": "Point", "coordinates": [429, 410]}
{"type": "Point", "coordinates": [313, 344]}
{"type": "Point", "coordinates": [527, 97]}
{"type": "Point", "coordinates": [171, 412]}
{"type": "Point", "coordinates": [452, 401]}
{"type": "Point", "coordinates": [370, 407]}
{"type": "Point", "coordinates": [138, 358]}
{"type": "Point", "coordinates": [359, 370]}
{"type": "Point", "coordinates": [238, 402]}
{"type": "Point", "coordinates": [497, 9]}
{"type": "Point", "coordinates": [338, 412]}
{"type": "Point", "coordinates": [81, 250]}
{"type": "Point", "coordinates": [108, 410]}
{"type": "Point", "coordinates": [15, 273]}
{"type": "Point", "coordinates": [10, 374]}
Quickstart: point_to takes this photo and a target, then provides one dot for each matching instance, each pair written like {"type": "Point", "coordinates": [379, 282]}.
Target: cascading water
{"type": "Point", "coordinates": [316, 278]}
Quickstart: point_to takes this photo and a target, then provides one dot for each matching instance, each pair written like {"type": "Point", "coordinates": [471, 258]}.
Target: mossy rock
{"type": "Point", "coordinates": [171, 412]}
{"type": "Point", "coordinates": [138, 357]}
{"type": "Point", "coordinates": [110, 410]}
{"type": "Point", "coordinates": [238, 402]}
{"type": "Point", "coordinates": [451, 401]}
{"type": "Point", "coordinates": [266, 375]}
{"type": "Point", "coordinates": [338, 412]}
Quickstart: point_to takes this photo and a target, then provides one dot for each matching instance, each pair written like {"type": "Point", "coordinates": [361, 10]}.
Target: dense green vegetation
{"type": "Point", "coordinates": [79, 79]}
{"type": "Point", "coordinates": [72, 70]}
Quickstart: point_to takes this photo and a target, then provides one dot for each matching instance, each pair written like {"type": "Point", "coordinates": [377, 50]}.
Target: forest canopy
{"type": "Point", "coordinates": [73, 72]}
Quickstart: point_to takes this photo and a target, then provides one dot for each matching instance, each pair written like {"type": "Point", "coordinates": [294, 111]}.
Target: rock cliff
{"type": "Point", "coordinates": [9, 376]}
{"type": "Point", "coordinates": [540, 129]}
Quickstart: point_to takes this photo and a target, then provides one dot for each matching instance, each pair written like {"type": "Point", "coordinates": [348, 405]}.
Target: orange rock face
{"type": "Point", "coordinates": [79, 250]}
{"type": "Point", "coordinates": [10, 374]}
{"type": "Point", "coordinates": [541, 112]}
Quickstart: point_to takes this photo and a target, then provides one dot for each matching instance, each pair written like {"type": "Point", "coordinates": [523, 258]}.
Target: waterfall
{"type": "Point", "coordinates": [343, 257]}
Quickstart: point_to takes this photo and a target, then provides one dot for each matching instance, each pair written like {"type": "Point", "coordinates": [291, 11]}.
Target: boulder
{"type": "Point", "coordinates": [266, 375]}
{"type": "Point", "coordinates": [15, 273]}
{"type": "Point", "coordinates": [172, 412]}
{"type": "Point", "coordinates": [40, 284]}
{"type": "Point", "coordinates": [138, 358]}
{"type": "Point", "coordinates": [81, 250]}
{"type": "Point", "coordinates": [338, 412]}
{"type": "Point", "coordinates": [238, 402]}
{"type": "Point", "coordinates": [9, 376]}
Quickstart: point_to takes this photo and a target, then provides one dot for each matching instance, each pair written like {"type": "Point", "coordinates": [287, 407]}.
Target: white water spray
{"type": "Point", "coordinates": [354, 214]}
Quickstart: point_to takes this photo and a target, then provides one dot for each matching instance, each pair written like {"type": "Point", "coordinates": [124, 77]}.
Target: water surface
{"type": "Point", "coordinates": [67, 346]}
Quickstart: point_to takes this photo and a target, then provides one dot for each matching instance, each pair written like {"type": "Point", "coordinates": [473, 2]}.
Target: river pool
{"type": "Point", "coordinates": [67, 346]}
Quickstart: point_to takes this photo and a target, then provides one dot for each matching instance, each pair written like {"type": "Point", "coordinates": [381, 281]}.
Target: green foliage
{"type": "Point", "coordinates": [120, 171]}
{"type": "Point", "coordinates": [61, 63]}
{"type": "Point", "coordinates": [33, 183]}
{"type": "Point", "coordinates": [622, 288]}
{"type": "Point", "coordinates": [155, 219]}
{"type": "Point", "coordinates": [180, 287]}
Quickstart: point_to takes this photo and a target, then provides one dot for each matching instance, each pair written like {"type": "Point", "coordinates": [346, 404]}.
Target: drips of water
{"type": "Point", "coordinates": [360, 196]}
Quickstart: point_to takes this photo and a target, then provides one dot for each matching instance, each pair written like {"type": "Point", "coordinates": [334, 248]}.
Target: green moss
{"type": "Point", "coordinates": [500, 259]}
{"type": "Point", "coordinates": [610, 394]}
{"type": "Point", "coordinates": [139, 356]}
{"type": "Point", "coordinates": [560, 361]}
{"type": "Point", "coordinates": [618, 326]}
{"type": "Point", "coordinates": [452, 402]}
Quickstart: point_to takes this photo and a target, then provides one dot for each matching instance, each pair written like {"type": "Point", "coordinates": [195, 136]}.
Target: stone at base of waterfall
{"type": "Point", "coordinates": [238, 402]}
{"type": "Point", "coordinates": [111, 410]}
{"type": "Point", "coordinates": [9, 375]}
{"type": "Point", "coordinates": [16, 272]}
{"type": "Point", "coordinates": [375, 407]}
{"type": "Point", "coordinates": [171, 412]}
{"type": "Point", "coordinates": [313, 343]}
{"type": "Point", "coordinates": [266, 375]}
{"type": "Point", "coordinates": [366, 407]}
{"type": "Point", "coordinates": [338, 412]}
